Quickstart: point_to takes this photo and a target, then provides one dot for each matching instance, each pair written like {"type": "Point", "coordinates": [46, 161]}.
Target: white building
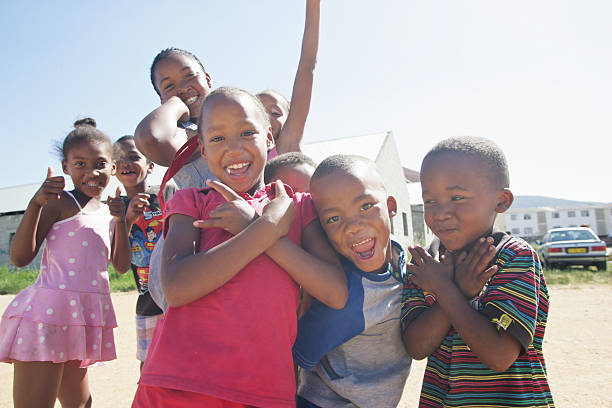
{"type": "Point", "coordinates": [534, 222]}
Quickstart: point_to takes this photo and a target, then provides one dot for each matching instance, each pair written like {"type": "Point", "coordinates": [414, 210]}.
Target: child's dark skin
{"type": "Point", "coordinates": [461, 202]}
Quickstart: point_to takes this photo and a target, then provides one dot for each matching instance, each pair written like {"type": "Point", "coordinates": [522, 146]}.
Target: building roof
{"type": "Point", "coordinates": [367, 146]}
{"type": "Point", "coordinates": [411, 176]}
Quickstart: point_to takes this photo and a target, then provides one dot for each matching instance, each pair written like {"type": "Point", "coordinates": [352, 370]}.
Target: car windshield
{"type": "Point", "coordinates": [570, 235]}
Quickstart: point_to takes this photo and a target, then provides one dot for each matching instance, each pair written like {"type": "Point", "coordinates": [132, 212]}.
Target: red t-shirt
{"type": "Point", "coordinates": [234, 343]}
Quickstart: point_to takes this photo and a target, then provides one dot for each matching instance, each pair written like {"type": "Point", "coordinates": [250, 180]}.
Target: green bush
{"type": "Point", "coordinates": [12, 281]}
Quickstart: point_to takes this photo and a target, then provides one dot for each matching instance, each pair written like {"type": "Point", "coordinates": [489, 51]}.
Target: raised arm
{"type": "Point", "coordinates": [291, 134]}
{"type": "Point", "coordinates": [42, 211]}
{"type": "Point", "coordinates": [157, 136]}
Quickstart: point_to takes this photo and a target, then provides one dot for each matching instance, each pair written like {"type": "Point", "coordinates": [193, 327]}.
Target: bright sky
{"type": "Point", "coordinates": [535, 76]}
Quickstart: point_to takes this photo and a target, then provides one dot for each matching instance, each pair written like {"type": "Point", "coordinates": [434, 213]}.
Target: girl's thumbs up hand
{"type": "Point", "coordinates": [51, 189]}
{"type": "Point", "coordinates": [116, 206]}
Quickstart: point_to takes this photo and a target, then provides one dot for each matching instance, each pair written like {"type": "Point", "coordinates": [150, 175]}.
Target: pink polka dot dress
{"type": "Point", "coordinates": [67, 314]}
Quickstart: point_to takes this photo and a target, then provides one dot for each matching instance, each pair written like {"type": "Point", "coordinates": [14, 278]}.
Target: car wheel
{"type": "Point", "coordinates": [601, 266]}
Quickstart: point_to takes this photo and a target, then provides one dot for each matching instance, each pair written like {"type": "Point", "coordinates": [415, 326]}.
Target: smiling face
{"type": "Point", "coordinates": [355, 213]}
{"type": "Point", "coordinates": [276, 110]}
{"type": "Point", "coordinates": [90, 166]}
{"type": "Point", "coordinates": [132, 166]}
{"type": "Point", "coordinates": [180, 75]}
{"type": "Point", "coordinates": [461, 198]}
{"type": "Point", "coordinates": [235, 141]}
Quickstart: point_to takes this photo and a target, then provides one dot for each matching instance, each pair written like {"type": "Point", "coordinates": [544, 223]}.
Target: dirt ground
{"type": "Point", "coordinates": [576, 348]}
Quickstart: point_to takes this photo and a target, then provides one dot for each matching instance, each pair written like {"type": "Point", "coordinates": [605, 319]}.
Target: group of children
{"type": "Point", "coordinates": [263, 259]}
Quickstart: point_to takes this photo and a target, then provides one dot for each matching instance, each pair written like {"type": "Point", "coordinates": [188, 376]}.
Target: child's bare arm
{"type": "Point", "coordinates": [292, 132]}
{"type": "Point", "coordinates": [423, 335]}
{"type": "Point", "coordinates": [157, 135]}
{"type": "Point", "coordinates": [42, 211]}
{"type": "Point", "coordinates": [121, 253]}
{"type": "Point", "coordinates": [315, 268]}
{"type": "Point", "coordinates": [188, 274]}
{"type": "Point", "coordinates": [496, 349]}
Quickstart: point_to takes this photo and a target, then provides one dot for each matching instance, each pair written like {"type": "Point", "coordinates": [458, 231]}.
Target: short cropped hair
{"type": "Point", "coordinates": [344, 163]}
{"type": "Point", "coordinates": [480, 148]}
{"type": "Point", "coordinates": [124, 139]}
{"type": "Point", "coordinates": [286, 159]}
{"type": "Point", "coordinates": [284, 101]}
{"type": "Point", "coordinates": [231, 92]}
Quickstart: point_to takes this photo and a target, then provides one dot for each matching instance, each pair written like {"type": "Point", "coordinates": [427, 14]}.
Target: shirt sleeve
{"type": "Point", "coordinates": [511, 301]}
{"type": "Point", "coordinates": [414, 301]}
{"type": "Point", "coordinates": [305, 208]}
{"type": "Point", "coordinates": [184, 202]}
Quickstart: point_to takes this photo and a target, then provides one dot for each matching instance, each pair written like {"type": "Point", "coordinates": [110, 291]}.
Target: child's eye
{"type": "Point", "coordinates": [101, 164]}
{"type": "Point", "coordinates": [190, 75]}
{"type": "Point", "coordinates": [216, 138]}
{"type": "Point", "coordinates": [367, 206]}
{"type": "Point", "coordinates": [248, 133]}
{"type": "Point", "coordinates": [428, 202]}
{"type": "Point", "coordinates": [332, 219]}
{"type": "Point", "coordinates": [169, 86]}
{"type": "Point", "coordinates": [457, 198]}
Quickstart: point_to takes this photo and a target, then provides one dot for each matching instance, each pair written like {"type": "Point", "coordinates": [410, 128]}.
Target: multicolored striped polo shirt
{"type": "Point", "coordinates": [516, 300]}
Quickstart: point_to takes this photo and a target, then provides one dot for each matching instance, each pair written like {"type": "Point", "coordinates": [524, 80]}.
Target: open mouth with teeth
{"type": "Point", "coordinates": [238, 169]}
{"type": "Point", "coordinates": [94, 185]}
{"type": "Point", "coordinates": [127, 173]}
{"type": "Point", "coordinates": [365, 248]}
{"type": "Point", "coordinates": [190, 100]}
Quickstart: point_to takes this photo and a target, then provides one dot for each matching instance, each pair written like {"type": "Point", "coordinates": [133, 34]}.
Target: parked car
{"type": "Point", "coordinates": [572, 246]}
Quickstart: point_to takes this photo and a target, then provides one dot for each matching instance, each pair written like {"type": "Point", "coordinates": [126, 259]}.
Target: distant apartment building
{"type": "Point", "coordinates": [534, 222]}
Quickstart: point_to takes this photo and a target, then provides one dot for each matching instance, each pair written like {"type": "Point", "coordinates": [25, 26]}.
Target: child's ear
{"type": "Point", "coordinates": [150, 166]}
{"type": "Point", "coordinates": [391, 206]}
{"type": "Point", "coordinates": [65, 167]}
{"type": "Point", "coordinates": [505, 198]}
{"type": "Point", "coordinates": [208, 80]}
{"type": "Point", "coordinates": [270, 139]}
{"type": "Point", "coordinates": [202, 150]}
{"type": "Point", "coordinates": [113, 168]}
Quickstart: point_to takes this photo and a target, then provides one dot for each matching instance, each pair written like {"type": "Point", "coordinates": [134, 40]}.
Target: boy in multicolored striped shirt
{"type": "Point", "coordinates": [478, 311]}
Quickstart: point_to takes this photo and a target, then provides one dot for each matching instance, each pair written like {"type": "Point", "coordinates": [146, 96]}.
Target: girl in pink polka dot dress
{"type": "Point", "coordinates": [53, 330]}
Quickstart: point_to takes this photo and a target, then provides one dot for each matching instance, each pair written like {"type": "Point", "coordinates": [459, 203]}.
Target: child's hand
{"type": "Point", "coordinates": [427, 273]}
{"type": "Point", "coordinates": [51, 189]}
{"type": "Point", "coordinates": [136, 207]}
{"type": "Point", "coordinates": [471, 272]}
{"type": "Point", "coordinates": [116, 206]}
{"type": "Point", "coordinates": [232, 216]}
{"type": "Point", "coordinates": [281, 210]}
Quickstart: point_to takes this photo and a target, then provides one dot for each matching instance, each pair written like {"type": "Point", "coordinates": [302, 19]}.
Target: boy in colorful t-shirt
{"type": "Point", "coordinates": [145, 222]}
{"type": "Point", "coordinates": [479, 311]}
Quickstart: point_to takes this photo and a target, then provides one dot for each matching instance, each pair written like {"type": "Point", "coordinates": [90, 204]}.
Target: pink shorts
{"type": "Point", "coordinates": [149, 396]}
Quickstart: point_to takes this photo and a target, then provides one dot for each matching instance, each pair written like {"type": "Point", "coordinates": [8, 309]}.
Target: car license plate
{"type": "Point", "coordinates": [576, 250]}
